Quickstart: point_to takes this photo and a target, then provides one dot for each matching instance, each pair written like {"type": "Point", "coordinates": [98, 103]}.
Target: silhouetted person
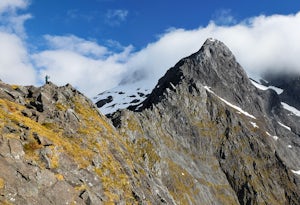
{"type": "Point", "coordinates": [47, 77]}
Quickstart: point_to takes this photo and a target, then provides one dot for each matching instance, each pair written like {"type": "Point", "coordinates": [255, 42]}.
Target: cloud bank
{"type": "Point", "coordinates": [86, 65]}
{"type": "Point", "coordinates": [15, 65]}
{"type": "Point", "coordinates": [260, 43]}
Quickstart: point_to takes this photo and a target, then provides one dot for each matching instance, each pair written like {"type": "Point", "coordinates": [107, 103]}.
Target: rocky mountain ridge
{"type": "Point", "coordinates": [205, 135]}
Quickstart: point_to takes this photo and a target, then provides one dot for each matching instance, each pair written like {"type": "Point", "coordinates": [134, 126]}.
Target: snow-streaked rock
{"type": "Point", "coordinates": [123, 96]}
{"type": "Point", "coordinates": [262, 87]}
{"type": "Point", "coordinates": [292, 109]}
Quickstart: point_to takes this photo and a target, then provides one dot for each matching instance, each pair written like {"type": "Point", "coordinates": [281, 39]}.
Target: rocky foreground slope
{"type": "Point", "coordinates": [205, 135]}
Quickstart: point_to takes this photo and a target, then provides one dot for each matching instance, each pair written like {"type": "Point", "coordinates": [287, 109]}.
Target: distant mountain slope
{"type": "Point", "coordinates": [290, 83]}
{"type": "Point", "coordinates": [123, 96]}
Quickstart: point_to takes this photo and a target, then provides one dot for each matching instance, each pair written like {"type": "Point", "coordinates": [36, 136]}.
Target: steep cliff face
{"type": "Point", "coordinates": [205, 135]}
{"type": "Point", "coordinates": [218, 139]}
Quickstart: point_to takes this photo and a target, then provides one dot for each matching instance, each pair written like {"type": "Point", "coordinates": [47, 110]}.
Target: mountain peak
{"type": "Point", "coordinates": [213, 42]}
{"type": "Point", "coordinates": [213, 65]}
{"type": "Point", "coordinates": [210, 45]}
{"type": "Point", "coordinates": [131, 95]}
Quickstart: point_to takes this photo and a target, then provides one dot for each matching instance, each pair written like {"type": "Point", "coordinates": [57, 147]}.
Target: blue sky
{"type": "Point", "coordinates": [139, 22]}
{"type": "Point", "coordinates": [96, 44]}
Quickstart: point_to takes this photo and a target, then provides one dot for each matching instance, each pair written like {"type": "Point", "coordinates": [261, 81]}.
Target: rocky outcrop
{"type": "Point", "coordinates": [56, 148]}
{"type": "Point", "coordinates": [205, 135]}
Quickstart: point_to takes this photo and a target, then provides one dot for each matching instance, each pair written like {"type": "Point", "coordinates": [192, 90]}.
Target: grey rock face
{"type": "Point", "coordinates": [102, 102]}
{"type": "Point", "coordinates": [218, 130]}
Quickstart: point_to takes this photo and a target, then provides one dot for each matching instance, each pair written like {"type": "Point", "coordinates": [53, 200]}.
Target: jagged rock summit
{"type": "Point", "coordinates": [214, 66]}
{"type": "Point", "coordinates": [205, 135]}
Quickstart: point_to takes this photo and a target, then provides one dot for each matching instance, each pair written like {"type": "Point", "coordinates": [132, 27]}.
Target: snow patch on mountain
{"type": "Point", "coordinates": [262, 87]}
{"type": "Point", "coordinates": [296, 172]}
{"type": "Point", "coordinates": [292, 109]}
{"type": "Point", "coordinates": [286, 127]}
{"type": "Point", "coordinates": [254, 124]}
{"type": "Point", "coordinates": [273, 136]}
{"type": "Point", "coordinates": [122, 96]}
{"type": "Point", "coordinates": [240, 110]}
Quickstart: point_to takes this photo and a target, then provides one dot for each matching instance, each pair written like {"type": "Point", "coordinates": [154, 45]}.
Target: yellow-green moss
{"type": "Point", "coordinates": [182, 185]}
{"type": "Point", "coordinates": [133, 125]}
{"type": "Point", "coordinates": [5, 203]}
{"type": "Point", "coordinates": [80, 187]}
{"type": "Point", "coordinates": [31, 146]}
{"type": "Point", "coordinates": [81, 155]}
{"type": "Point", "coordinates": [219, 191]}
{"type": "Point", "coordinates": [61, 107]}
{"type": "Point", "coordinates": [49, 125]}
{"type": "Point", "coordinates": [54, 160]}
{"type": "Point", "coordinates": [113, 178]}
{"type": "Point", "coordinates": [15, 87]}
{"type": "Point", "coordinates": [95, 136]}
{"type": "Point", "coordinates": [145, 146]}
{"type": "Point", "coordinates": [2, 183]}
{"type": "Point", "coordinates": [59, 177]}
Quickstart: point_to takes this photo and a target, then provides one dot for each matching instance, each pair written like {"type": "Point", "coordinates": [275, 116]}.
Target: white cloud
{"type": "Point", "coordinates": [14, 61]}
{"type": "Point", "coordinates": [12, 5]}
{"type": "Point", "coordinates": [70, 62]}
{"type": "Point", "coordinates": [15, 24]}
{"type": "Point", "coordinates": [259, 44]}
{"type": "Point", "coordinates": [265, 43]}
{"type": "Point", "coordinates": [116, 17]}
{"type": "Point", "coordinates": [10, 20]}
{"type": "Point", "coordinates": [78, 45]}
{"type": "Point", "coordinates": [15, 66]}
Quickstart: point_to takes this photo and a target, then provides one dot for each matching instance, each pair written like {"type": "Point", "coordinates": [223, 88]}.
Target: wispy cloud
{"type": "Point", "coordinates": [73, 13]}
{"type": "Point", "coordinates": [76, 14]}
{"type": "Point", "coordinates": [116, 17]}
{"type": "Point", "coordinates": [10, 20]}
{"type": "Point", "coordinates": [224, 17]}
{"type": "Point", "coordinates": [12, 5]}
